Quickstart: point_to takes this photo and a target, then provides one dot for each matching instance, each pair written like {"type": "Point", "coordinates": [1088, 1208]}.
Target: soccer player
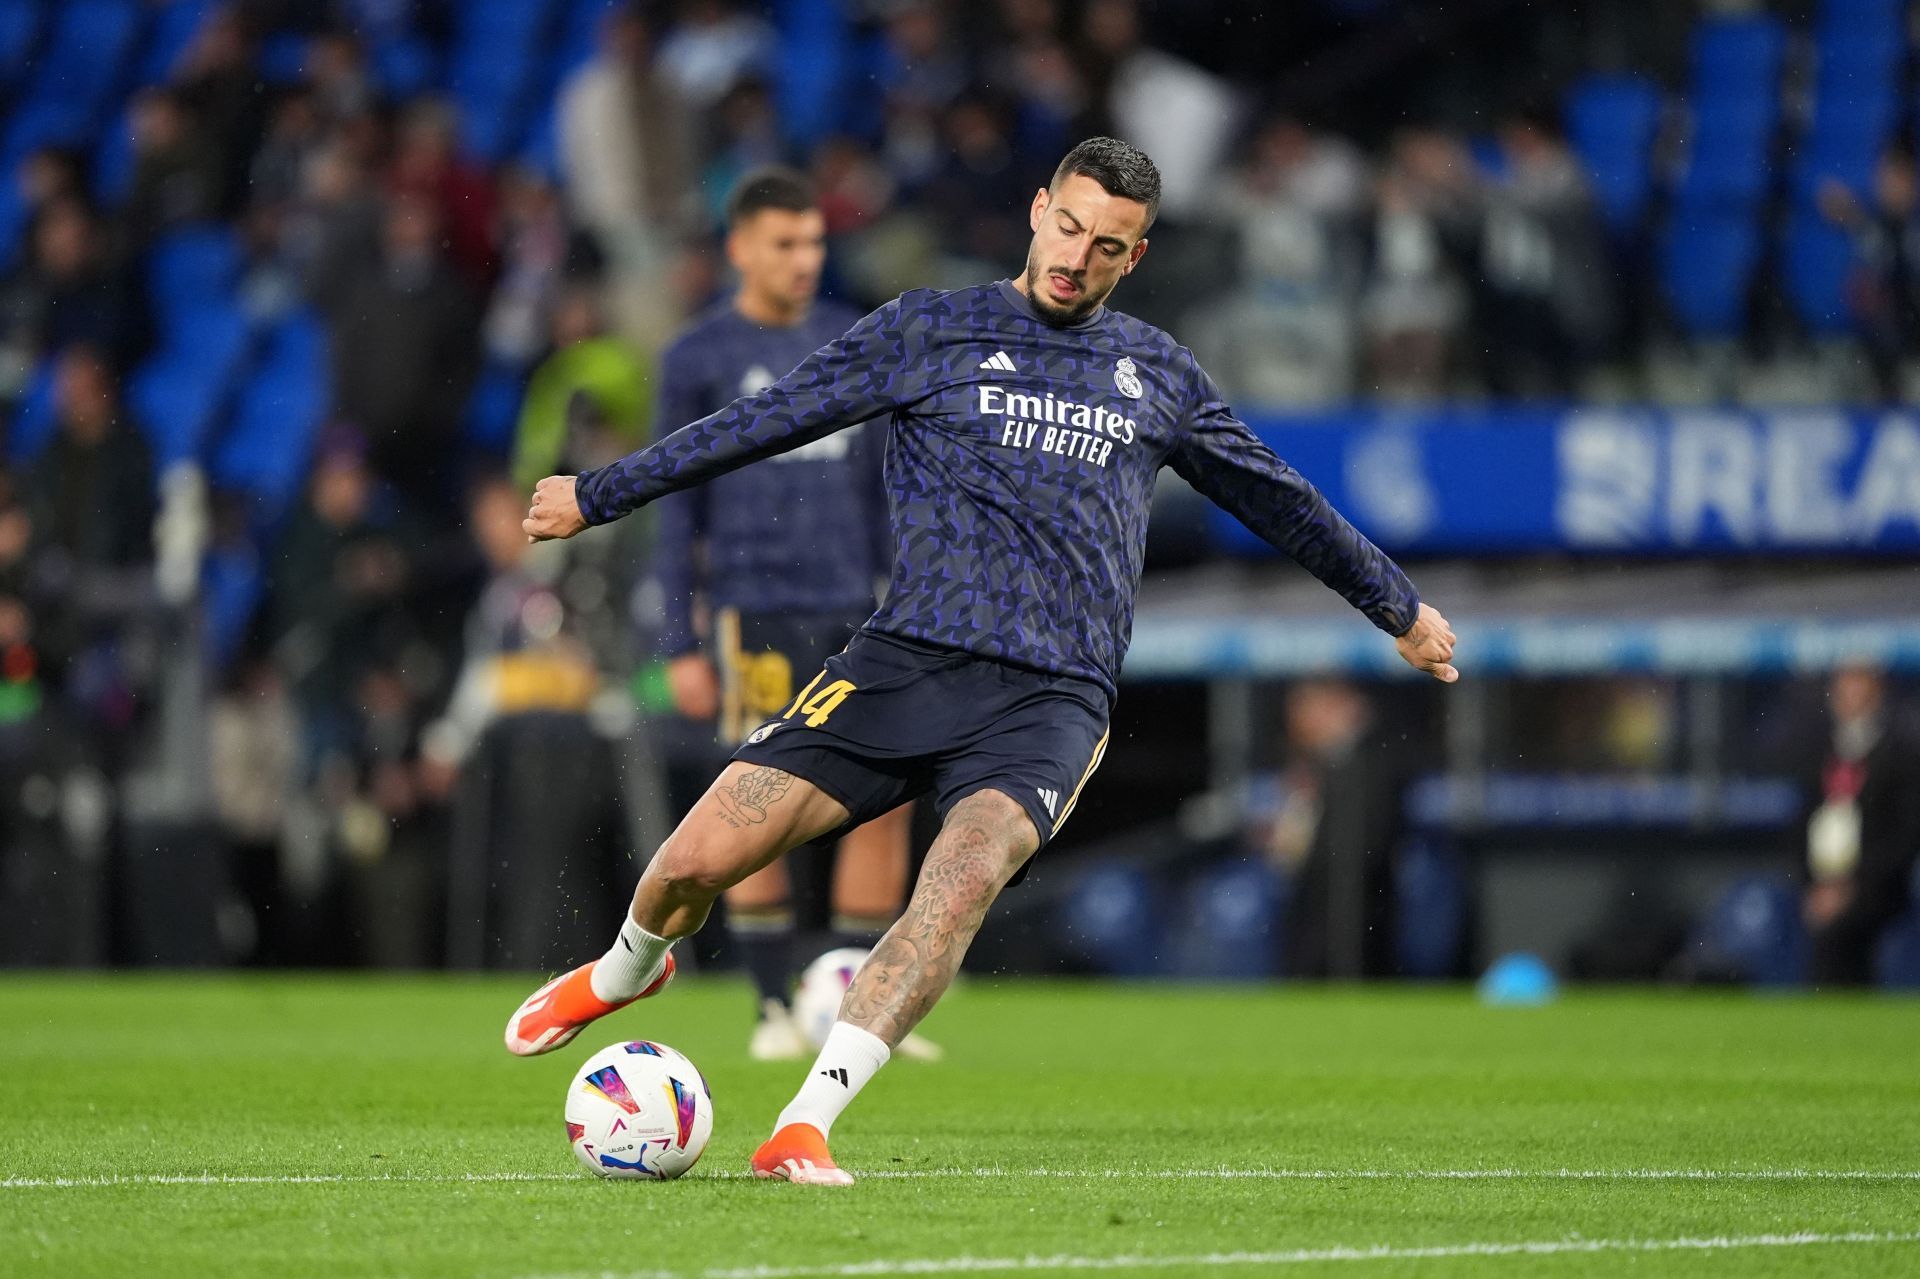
{"type": "Point", "coordinates": [1027, 424]}
{"type": "Point", "coordinates": [787, 557]}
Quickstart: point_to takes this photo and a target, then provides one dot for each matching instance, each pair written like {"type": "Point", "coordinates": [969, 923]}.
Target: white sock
{"type": "Point", "coordinates": [851, 1057]}
{"type": "Point", "coordinates": [630, 964]}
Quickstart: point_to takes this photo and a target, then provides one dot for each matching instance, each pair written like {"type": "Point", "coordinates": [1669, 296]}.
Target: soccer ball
{"type": "Point", "coordinates": [639, 1109]}
{"type": "Point", "coordinates": [816, 1004]}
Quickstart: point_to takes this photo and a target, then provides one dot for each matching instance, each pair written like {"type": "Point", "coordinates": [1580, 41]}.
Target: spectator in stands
{"type": "Point", "coordinates": [1336, 831]}
{"type": "Point", "coordinates": [1545, 311]}
{"type": "Point", "coordinates": [543, 840]}
{"type": "Point", "coordinates": [49, 174]}
{"type": "Point", "coordinates": [1884, 291]}
{"type": "Point", "coordinates": [253, 747]}
{"type": "Point", "coordinates": [587, 403]}
{"type": "Point", "coordinates": [92, 490]}
{"type": "Point", "coordinates": [337, 72]}
{"type": "Point", "coordinates": [538, 252]}
{"type": "Point", "coordinates": [1286, 334]}
{"type": "Point", "coordinates": [427, 167]}
{"type": "Point", "coordinates": [176, 173]}
{"type": "Point", "coordinates": [1032, 62]}
{"type": "Point", "coordinates": [713, 47]}
{"type": "Point", "coordinates": [625, 155]}
{"type": "Point", "coordinates": [979, 179]}
{"type": "Point", "coordinates": [294, 134]}
{"type": "Point", "coordinates": [71, 291]}
{"type": "Point", "coordinates": [333, 227]}
{"type": "Point", "coordinates": [339, 586]}
{"type": "Point", "coordinates": [1414, 303]}
{"type": "Point", "coordinates": [1181, 115]}
{"type": "Point", "coordinates": [219, 83]}
{"type": "Point", "coordinates": [1863, 837]}
{"type": "Point", "coordinates": [405, 348]}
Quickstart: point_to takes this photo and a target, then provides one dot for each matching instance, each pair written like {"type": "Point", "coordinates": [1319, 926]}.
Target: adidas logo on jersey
{"type": "Point", "coordinates": [999, 360]}
{"type": "Point", "coordinates": [1051, 798]}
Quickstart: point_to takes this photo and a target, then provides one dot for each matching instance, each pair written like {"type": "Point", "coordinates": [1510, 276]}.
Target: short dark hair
{"type": "Point", "coordinates": [772, 187]}
{"type": "Point", "coordinates": [1122, 168]}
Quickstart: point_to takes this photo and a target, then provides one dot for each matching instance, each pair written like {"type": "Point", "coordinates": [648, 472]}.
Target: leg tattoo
{"type": "Point", "coordinates": [986, 838]}
{"type": "Point", "coordinates": [745, 802]}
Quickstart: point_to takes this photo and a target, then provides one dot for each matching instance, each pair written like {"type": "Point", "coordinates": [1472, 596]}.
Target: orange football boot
{"type": "Point", "coordinates": [798, 1153]}
{"type": "Point", "coordinates": [565, 1006]}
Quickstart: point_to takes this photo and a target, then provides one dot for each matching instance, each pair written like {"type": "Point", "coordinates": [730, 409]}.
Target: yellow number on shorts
{"type": "Point", "coordinates": [817, 706]}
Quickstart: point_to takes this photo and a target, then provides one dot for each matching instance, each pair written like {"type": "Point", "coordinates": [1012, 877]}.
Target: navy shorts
{"type": "Point", "coordinates": [759, 654]}
{"type": "Point", "coordinates": [890, 719]}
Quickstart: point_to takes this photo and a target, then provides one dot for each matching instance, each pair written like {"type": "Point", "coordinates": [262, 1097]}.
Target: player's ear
{"type": "Point", "coordinates": [1133, 258]}
{"type": "Point", "coordinates": [736, 250]}
{"type": "Point", "coordinates": [1041, 199]}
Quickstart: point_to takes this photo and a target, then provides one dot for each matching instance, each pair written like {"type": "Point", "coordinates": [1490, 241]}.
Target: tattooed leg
{"type": "Point", "coordinates": [986, 838]}
{"type": "Point", "coordinates": [749, 817]}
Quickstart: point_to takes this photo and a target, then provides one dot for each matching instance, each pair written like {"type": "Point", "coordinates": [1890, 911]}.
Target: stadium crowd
{"type": "Point", "coordinates": [383, 637]}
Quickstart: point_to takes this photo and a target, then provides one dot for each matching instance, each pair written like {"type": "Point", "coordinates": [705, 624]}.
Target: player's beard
{"type": "Point", "coordinates": [1052, 311]}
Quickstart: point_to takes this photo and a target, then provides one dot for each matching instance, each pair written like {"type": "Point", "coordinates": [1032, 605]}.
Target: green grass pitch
{"type": "Point", "coordinates": [313, 1126]}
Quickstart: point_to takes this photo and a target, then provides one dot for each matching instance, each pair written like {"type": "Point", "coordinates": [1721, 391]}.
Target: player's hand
{"type": "Point", "coordinates": [694, 686]}
{"type": "Point", "coordinates": [555, 511]}
{"type": "Point", "coordinates": [1428, 645]}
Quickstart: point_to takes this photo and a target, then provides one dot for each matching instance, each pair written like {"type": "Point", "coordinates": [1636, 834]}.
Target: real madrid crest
{"type": "Point", "coordinates": [1127, 378]}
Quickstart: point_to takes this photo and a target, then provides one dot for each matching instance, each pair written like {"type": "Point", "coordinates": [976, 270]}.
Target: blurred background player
{"type": "Point", "coordinates": [769, 570]}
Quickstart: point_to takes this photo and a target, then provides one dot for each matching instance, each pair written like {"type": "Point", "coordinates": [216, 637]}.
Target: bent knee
{"type": "Point", "coordinates": [693, 868]}
{"type": "Point", "coordinates": [988, 837]}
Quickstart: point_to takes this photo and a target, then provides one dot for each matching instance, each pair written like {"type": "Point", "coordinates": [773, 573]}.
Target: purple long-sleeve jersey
{"type": "Point", "coordinates": [1020, 465]}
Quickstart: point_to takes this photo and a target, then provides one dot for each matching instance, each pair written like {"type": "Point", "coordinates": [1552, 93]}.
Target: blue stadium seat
{"type": "Point", "coordinates": [280, 408]}
{"type": "Point", "coordinates": [13, 224]}
{"type": "Point", "coordinates": [19, 32]}
{"type": "Point", "coordinates": [1738, 53]}
{"type": "Point", "coordinates": [1882, 19]}
{"type": "Point", "coordinates": [79, 70]}
{"type": "Point", "coordinates": [33, 422]}
{"type": "Point", "coordinates": [493, 409]}
{"type": "Point", "coordinates": [1817, 261]}
{"type": "Point", "coordinates": [1112, 919]}
{"type": "Point", "coordinates": [1231, 923]}
{"type": "Point", "coordinates": [1754, 931]}
{"type": "Point", "coordinates": [404, 68]}
{"type": "Point", "coordinates": [1896, 959]}
{"type": "Point", "coordinates": [181, 392]}
{"type": "Point", "coordinates": [1730, 150]}
{"type": "Point", "coordinates": [175, 24]}
{"type": "Point", "coordinates": [1431, 897]}
{"type": "Point", "coordinates": [816, 54]}
{"type": "Point", "coordinates": [193, 267]}
{"type": "Point", "coordinates": [232, 584]}
{"type": "Point", "coordinates": [283, 58]}
{"type": "Point", "coordinates": [113, 162]}
{"type": "Point", "coordinates": [1613, 123]}
{"type": "Point", "coordinates": [1707, 263]}
{"type": "Point", "coordinates": [579, 35]}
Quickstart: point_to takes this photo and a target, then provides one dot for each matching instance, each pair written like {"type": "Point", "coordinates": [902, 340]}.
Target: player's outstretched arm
{"type": "Point", "coordinates": [555, 511]}
{"type": "Point", "coordinates": [872, 368]}
{"type": "Point", "coordinates": [1427, 645]}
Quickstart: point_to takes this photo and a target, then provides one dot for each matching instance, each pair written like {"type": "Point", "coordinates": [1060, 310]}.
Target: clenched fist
{"type": "Point", "coordinates": [555, 511]}
{"type": "Point", "coordinates": [1428, 645]}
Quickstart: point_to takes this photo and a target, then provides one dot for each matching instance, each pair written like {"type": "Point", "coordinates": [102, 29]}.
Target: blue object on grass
{"type": "Point", "coordinates": [1519, 980]}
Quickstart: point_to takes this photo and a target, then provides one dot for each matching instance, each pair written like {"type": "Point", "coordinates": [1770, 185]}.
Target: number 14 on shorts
{"type": "Point", "coordinates": [816, 706]}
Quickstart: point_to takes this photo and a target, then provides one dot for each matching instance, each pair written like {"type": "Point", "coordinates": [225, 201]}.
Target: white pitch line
{"type": "Point", "coordinates": [1074, 1174]}
{"type": "Point", "coordinates": [1290, 1257]}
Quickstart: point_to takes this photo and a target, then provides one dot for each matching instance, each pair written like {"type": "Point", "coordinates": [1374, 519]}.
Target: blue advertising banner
{"type": "Point", "coordinates": [1697, 481]}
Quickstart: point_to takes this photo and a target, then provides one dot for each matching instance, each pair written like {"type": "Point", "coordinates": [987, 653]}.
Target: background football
{"type": "Point", "coordinates": [639, 1109]}
{"type": "Point", "coordinates": [816, 1002]}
